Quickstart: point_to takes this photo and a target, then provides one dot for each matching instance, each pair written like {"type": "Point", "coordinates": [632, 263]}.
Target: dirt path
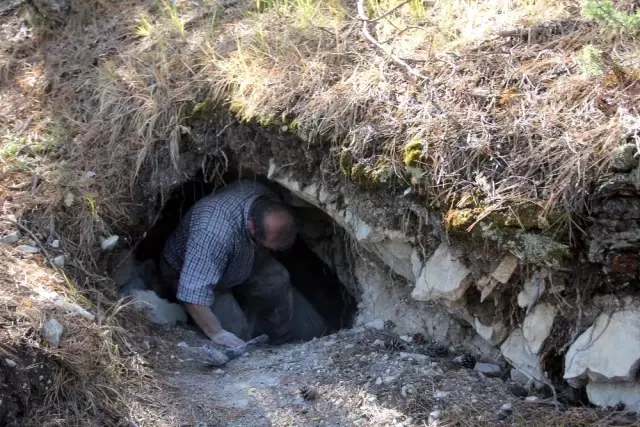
{"type": "Point", "coordinates": [357, 377]}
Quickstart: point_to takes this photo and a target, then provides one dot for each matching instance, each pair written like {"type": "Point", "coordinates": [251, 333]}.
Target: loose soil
{"type": "Point", "coordinates": [357, 377]}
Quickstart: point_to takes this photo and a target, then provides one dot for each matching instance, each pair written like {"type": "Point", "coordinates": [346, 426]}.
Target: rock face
{"type": "Point", "coordinates": [537, 326]}
{"type": "Point", "coordinates": [443, 277]}
{"type": "Point", "coordinates": [495, 333]}
{"type": "Point", "coordinates": [609, 351]}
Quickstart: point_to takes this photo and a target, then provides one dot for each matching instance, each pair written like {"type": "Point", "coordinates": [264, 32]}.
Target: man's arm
{"type": "Point", "coordinates": [204, 262]}
{"type": "Point", "coordinates": [210, 325]}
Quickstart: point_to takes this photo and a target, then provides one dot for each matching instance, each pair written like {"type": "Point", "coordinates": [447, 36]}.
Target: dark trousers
{"type": "Point", "coordinates": [266, 296]}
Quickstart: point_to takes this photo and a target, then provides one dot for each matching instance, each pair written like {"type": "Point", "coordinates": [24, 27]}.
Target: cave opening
{"type": "Point", "coordinates": [314, 282]}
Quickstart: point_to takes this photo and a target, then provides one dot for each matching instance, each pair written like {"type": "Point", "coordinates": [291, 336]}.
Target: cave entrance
{"type": "Point", "coordinates": [311, 276]}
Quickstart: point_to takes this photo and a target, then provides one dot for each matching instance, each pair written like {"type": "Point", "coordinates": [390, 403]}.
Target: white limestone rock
{"type": "Point", "coordinates": [533, 289]}
{"type": "Point", "coordinates": [610, 394]}
{"type": "Point", "coordinates": [11, 238]}
{"type": "Point", "coordinates": [494, 333]}
{"type": "Point", "coordinates": [505, 270]}
{"type": "Point", "coordinates": [609, 351]}
{"type": "Point", "coordinates": [537, 325]}
{"type": "Point", "coordinates": [158, 310]}
{"type": "Point", "coordinates": [52, 332]}
{"type": "Point", "coordinates": [443, 277]}
{"type": "Point", "coordinates": [517, 353]}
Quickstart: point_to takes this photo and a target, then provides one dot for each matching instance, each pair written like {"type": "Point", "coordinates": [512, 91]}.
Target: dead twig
{"type": "Point", "coordinates": [365, 30]}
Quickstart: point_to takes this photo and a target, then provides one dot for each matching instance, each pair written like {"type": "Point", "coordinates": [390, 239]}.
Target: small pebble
{"type": "Point", "coordinates": [507, 407]}
{"type": "Point", "coordinates": [10, 363]}
{"type": "Point", "coordinates": [348, 346]}
{"type": "Point", "coordinates": [434, 416]}
{"type": "Point", "coordinates": [378, 381]}
{"type": "Point", "coordinates": [441, 394]}
{"type": "Point", "coordinates": [146, 345]}
{"type": "Point", "coordinates": [532, 399]}
{"type": "Point", "coordinates": [182, 344]}
{"type": "Point", "coordinates": [55, 244]}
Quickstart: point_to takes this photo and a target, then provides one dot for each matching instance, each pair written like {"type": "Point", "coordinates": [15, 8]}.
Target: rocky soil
{"type": "Point", "coordinates": [358, 377]}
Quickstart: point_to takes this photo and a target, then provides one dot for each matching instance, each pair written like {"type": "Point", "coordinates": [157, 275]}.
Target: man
{"type": "Point", "coordinates": [221, 248]}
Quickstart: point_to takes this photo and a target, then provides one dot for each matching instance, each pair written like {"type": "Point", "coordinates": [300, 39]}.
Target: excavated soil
{"type": "Point", "coordinates": [357, 377]}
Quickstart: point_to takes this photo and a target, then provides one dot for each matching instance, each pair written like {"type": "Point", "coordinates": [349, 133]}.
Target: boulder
{"type": "Point", "coordinates": [537, 326]}
{"type": "Point", "coordinates": [609, 351]}
{"type": "Point", "coordinates": [517, 353]}
{"type": "Point", "coordinates": [443, 277]}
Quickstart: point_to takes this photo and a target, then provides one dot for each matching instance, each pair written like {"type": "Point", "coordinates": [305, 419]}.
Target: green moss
{"type": "Point", "coordinates": [412, 153]}
{"type": "Point", "coordinates": [526, 216]}
{"type": "Point", "coordinates": [346, 162]}
{"type": "Point", "coordinates": [461, 219]}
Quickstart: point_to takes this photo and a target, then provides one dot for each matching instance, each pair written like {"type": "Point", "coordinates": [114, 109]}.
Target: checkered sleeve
{"type": "Point", "coordinates": [205, 260]}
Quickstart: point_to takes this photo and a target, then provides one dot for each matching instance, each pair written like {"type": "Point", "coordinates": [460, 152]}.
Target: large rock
{"type": "Point", "coordinates": [610, 394]}
{"type": "Point", "coordinates": [608, 351]}
{"type": "Point", "coordinates": [518, 354]}
{"type": "Point", "coordinates": [158, 310]}
{"type": "Point", "coordinates": [443, 277]}
{"type": "Point", "coordinates": [623, 157]}
{"type": "Point", "coordinates": [537, 326]}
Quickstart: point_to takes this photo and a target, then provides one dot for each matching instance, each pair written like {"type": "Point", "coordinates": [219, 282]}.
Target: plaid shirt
{"type": "Point", "coordinates": [211, 247]}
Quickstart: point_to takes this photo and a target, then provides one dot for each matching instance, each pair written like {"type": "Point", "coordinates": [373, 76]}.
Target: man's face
{"type": "Point", "coordinates": [274, 223]}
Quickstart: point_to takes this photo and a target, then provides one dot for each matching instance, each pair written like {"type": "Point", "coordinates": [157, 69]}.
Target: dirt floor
{"type": "Point", "coordinates": [357, 377]}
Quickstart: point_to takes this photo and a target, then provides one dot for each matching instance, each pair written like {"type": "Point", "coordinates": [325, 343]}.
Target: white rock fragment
{"type": "Point", "coordinates": [10, 363]}
{"type": "Point", "coordinates": [443, 277]}
{"type": "Point", "coordinates": [531, 399]}
{"type": "Point", "coordinates": [72, 308]}
{"type": "Point", "coordinates": [69, 199]}
{"type": "Point", "coordinates": [55, 244]}
{"type": "Point", "coordinates": [108, 243]}
{"type": "Point", "coordinates": [159, 311]}
{"type": "Point", "coordinates": [379, 381]}
{"type": "Point", "coordinates": [52, 332]}
{"type": "Point", "coordinates": [435, 416]}
{"type": "Point", "coordinates": [377, 324]}
{"type": "Point", "coordinates": [610, 394]}
{"type": "Point", "coordinates": [488, 289]}
{"type": "Point", "coordinates": [91, 174]}
{"type": "Point", "coordinates": [537, 325]}
{"type": "Point", "coordinates": [27, 249]}
{"type": "Point", "coordinates": [608, 351]}
{"type": "Point", "coordinates": [489, 369]}
{"type": "Point", "coordinates": [505, 270]}
{"type": "Point", "coordinates": [507, 407]}
{"type": "Point", "coordinates": [11, 238]}
{"type": "Point", "coordinates": [59, 261]}
{"type": "Point", "coordinates": [440, 394]}
{"type": "Point", "coordinates": [533, 289]}
{"type": "Point", "coordinates": [414, 356]}
{"type": "Point", "coordinates": [517, 353]}
{"type": "Point", "coordinates": [182, 344]}
{"type": "Point", "coordinates": [495, 333]}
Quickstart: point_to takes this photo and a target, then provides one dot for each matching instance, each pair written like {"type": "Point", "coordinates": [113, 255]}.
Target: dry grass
{"type": "Point", "coordinates": [509, 119]}
{"type": "Point", "coordinates": [96, 376]}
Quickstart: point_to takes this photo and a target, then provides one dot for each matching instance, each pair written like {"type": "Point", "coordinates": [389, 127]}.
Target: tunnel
{"type": "Point", "coordinates": [315, 282]}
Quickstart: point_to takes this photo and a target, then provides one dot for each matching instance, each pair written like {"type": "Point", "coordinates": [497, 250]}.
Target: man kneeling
{"type": "Point", "coordinates": [221, 248]}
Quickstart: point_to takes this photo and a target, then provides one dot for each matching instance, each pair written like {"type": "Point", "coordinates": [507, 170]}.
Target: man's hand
{"type": "Point", "coordinates": [226, 339]}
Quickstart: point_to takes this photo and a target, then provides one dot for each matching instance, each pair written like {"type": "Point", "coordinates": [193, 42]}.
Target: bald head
{"type": "Point", "coordinates": [272, 224]}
